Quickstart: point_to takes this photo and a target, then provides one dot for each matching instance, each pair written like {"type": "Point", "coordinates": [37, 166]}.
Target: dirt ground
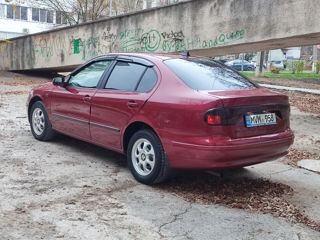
{"type": "Point", "coordinates": [68, 189]}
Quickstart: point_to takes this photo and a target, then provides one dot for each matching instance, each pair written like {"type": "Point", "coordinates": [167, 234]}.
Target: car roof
{"type": "Point", "coordinates": [152, 56]}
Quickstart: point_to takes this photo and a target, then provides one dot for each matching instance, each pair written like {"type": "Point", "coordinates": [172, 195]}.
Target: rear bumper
{"type": "Point", "coordinates": [231, 153]}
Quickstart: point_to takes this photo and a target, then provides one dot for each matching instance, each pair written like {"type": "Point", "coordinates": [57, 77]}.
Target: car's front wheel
{"type": "Point", "coordinates": [146, 158]}
{"type": "Point", "coordinates": [40, 124]}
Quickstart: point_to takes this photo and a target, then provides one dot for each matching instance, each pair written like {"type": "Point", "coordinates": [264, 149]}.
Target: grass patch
{"type": "Point", "coordinates": [285, 75]}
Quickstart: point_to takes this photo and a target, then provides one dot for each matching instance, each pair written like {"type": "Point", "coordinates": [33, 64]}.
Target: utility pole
{"type": "Point", "coordinates": [110, 8]}
{"type": "Point", "coordinates": [314, 58]}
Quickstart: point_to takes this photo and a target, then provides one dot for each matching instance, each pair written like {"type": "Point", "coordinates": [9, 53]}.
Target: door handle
{"type": "Point", "coordinates": [132, 104]}
{"type": "Point", "coordinates": [87, 98]}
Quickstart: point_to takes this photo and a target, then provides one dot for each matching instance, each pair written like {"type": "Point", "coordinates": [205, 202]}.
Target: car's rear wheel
{"type": "Point", "coordinates": [40, 124]}
{"type": "Point", "coordinates": [146, 158]}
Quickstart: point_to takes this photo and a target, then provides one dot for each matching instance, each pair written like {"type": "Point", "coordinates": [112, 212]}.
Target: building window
{"type": "Point", "coordinates": [35, 14]}
{"type": "Point", "coordinates": [24, 13]}
{"type": "Point", "coordinates": [58, 17]}
{"type": "Point", "coordinates": [17, 12]}
{"type": "Point", "coordinates": [43, 15]}
{"type": "Point", "coordinates": [2, 9]}
{"type": "Point", "coordinates": [9, 11]}
{"type": "Point", "coordinates": [64, 19]}
{"type": "Point", "coordinates": [49, 17]}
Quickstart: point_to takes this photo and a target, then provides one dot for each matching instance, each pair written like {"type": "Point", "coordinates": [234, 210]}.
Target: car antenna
{"type": "Point", "coordinates": [185, 53]}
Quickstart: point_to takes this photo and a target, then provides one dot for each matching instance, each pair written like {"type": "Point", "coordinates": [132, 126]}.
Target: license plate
{"type": "Point", "coordinates": [256, 120]}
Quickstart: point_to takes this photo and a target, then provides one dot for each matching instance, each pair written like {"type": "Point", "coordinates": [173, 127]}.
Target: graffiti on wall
{"type": "Point", "coordinates": [137, 40]}
{"type": "Point", "coordinates": [47, 46]}
{"type": "Point", "coordinates": [88, 48]}
{"type": "Point", "coordinates": [50, 47]}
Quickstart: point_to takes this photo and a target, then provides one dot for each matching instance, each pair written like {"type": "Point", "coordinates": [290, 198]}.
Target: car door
{"type": "Point", "coordinates": [237, 65]}
{"type": "Point", "coordinates": [126, 89]}
{"type": "Point", "coordinates": [71, 104]}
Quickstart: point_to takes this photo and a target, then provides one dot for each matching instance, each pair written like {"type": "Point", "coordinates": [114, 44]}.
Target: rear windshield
{"type": "Point", "coordinates": [204, 74]}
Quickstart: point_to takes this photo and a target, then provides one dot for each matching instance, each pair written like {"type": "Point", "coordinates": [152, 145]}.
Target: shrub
{"type": "Point", "coordinates": [317, 67]}
{"type": "Point", "coordinates": [274, 69]}
{"type": "Point", "coordinates": [296, 66]}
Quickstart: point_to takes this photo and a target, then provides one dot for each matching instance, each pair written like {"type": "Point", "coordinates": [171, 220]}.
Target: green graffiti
{"type": "Point", "coordinates": [76, 48]}
{"type": "Point", "coordinates": [42, 51]}
{"type": "Point", "coordinates": [89, 48]}
{"type": "Point", "coordinates": [152, 41]}
{"type": "Point", "coordinates": [136, 40]}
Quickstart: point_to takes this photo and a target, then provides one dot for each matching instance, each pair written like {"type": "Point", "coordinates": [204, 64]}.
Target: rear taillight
{"type": "Point", "coordinates": [215, 116]}
{"type": "Point", "coordinates": [213, 120]}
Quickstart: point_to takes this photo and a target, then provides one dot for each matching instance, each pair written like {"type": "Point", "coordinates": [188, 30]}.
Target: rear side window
{"type": "Point", "coordinates": [204, 74]}
{"type": "Point", "coordinates": [125, 76]}
{"type": "Point", "coordinates": [148, 81]}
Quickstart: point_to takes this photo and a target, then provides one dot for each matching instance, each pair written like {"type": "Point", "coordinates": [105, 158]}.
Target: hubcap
{"type": "Point", "coordinates": [143, 157]}
{"type": "Point", "coordinates": [38, 121]}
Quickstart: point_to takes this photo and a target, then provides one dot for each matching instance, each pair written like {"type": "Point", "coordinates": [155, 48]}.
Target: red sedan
{"type": "Point", "coordinates": [165, 112]}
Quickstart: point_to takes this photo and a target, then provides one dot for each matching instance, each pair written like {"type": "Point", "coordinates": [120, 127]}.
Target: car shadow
{"type": "Point", "coordinates": [98, 153]}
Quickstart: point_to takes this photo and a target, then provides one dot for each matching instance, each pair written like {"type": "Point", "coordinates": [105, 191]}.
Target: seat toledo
{"type": "Point", "coordinates": [164, 112]}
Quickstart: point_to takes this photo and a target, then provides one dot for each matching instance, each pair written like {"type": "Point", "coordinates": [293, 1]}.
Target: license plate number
{"type": "Point", "coordinates": [256, 120]}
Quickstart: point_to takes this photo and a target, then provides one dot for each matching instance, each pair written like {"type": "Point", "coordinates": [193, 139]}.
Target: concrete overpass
{"type": "Point", "coordinates": [205, 27]}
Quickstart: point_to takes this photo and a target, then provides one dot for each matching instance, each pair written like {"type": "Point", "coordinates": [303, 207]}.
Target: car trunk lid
{"type": "Point", "coordinates": [237, 104]}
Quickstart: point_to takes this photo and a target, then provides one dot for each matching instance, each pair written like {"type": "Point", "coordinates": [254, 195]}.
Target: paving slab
{"type": "Point", "coordinates": [310, 164]}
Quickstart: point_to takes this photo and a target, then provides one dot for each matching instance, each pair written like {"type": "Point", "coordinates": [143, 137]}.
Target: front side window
{"type": "Point", "coordinates": [125, 76]}
{"type": "Point", "coordinates": [89, 77]}
{"type": "Point", "coordinates": [204, 74]}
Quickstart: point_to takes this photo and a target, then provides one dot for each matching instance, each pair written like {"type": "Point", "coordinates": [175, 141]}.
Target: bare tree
{"type": "Point", "coordinates": [77, 11]}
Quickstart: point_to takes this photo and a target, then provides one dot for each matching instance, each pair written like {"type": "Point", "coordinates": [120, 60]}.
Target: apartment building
{"type": "Point", "coordinates": [18, 20]}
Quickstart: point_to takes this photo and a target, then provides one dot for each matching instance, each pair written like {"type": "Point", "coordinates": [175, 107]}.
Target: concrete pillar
{"type": "Point", "coordinates": [145, 4]}
{"type": "Point", "coordinates": [314, 58]}
{"type": "Point", "coordinates": [156, 3]}
{"type": "Point", "coordinates": [259, 67]}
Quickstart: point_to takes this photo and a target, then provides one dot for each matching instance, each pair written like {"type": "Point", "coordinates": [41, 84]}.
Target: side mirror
{"type": "Point", "coordinates": [58, 81]}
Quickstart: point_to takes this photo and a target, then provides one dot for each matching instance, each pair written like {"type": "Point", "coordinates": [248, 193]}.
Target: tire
{"type": "Point", "coordinates": [40, 124]}
{"type": "Point", "coordinates": [146, 158]}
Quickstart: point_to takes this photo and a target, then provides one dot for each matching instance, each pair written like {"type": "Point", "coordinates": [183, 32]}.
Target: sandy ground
{"type": "Point", "coordinates": [68, 189]}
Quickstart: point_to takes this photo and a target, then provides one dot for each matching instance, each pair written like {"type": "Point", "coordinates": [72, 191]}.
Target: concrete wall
{"type": "Point", "coordinates": [206, 27]}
